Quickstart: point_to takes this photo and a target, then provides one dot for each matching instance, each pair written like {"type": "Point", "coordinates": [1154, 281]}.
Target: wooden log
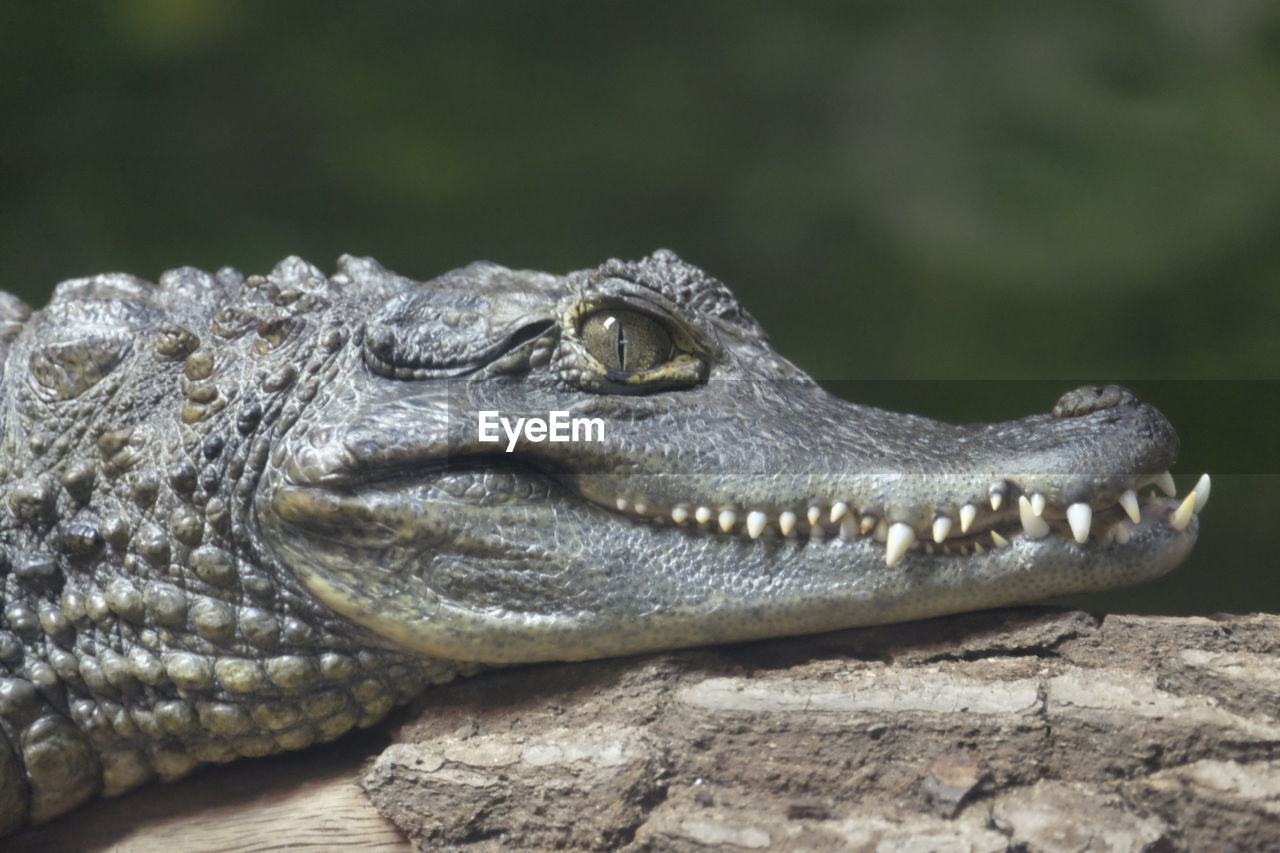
{"type": "Point", "coordinates": [1029, 730]}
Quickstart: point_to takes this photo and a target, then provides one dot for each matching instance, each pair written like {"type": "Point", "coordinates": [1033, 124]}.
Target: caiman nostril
{"type": "Point", "coordinates": [1091, 398]}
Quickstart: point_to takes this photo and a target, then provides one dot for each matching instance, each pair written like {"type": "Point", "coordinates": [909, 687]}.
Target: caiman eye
{"type": "Point", "coordinates": [627, 340]}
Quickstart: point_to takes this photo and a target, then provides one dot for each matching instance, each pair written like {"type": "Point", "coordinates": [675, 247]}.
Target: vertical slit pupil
{"type": "Point", "coordinates": [622, 347]}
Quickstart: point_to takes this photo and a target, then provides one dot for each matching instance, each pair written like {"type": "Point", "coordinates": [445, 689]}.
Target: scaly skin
{"type": "Point", "coordinates": [245, 516]}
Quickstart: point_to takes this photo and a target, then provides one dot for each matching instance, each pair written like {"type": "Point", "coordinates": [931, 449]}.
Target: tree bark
{"type": "Point", "coordinates": [1032, 729]}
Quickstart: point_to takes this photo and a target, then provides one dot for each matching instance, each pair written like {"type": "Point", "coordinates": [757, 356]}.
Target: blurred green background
{"type": "Point", "coordinates": [917, 192]}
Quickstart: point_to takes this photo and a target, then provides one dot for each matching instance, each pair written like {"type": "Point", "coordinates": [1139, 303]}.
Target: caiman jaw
{"type": "Point", "coordinates": [467, 552]}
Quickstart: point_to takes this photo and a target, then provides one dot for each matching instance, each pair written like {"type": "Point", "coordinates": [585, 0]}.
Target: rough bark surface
{"type": "Point", "coordinates": [1029, 730]}
{"type": "Point", "coordinates": [1025, 730]}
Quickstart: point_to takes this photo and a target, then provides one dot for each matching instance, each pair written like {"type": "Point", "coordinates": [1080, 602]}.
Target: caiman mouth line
{"type": "Point", "coordinates": [973, 531]}
{"type": "Point", "coordinates": [1013, 513]}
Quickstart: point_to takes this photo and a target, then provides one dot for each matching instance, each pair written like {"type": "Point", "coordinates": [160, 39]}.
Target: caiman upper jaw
{"type": "Point", "coordinates": [1076, 474]}
{"type": "Point", "coordinates": [886, 498]}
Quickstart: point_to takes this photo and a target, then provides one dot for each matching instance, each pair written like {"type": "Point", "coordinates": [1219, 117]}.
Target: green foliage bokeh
{"type": "Point", "coordinates": [900, 191]}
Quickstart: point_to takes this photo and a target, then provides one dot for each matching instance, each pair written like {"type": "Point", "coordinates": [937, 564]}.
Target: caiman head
{"type": "Point", "coordinates": [705, 489]}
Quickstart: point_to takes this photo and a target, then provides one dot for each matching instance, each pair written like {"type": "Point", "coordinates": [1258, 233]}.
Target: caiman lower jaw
{"type": "Point", "coordinates": [974, 529]}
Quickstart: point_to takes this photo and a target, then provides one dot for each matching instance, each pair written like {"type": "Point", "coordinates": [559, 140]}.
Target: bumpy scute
{"type": "Point", "coordinates": [139, 635]}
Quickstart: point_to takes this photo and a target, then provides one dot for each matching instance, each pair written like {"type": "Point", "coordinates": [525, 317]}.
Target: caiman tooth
{"type": "Point", "coordinates": [680, 514]}
{"type": "Point", "coordinates": [755, 523]}
{"type": "Point", "coordinates": [1080, 516]}
{"type": "Point", "coordinates": [641, 508]}
{"type": "Point", "coordinates": [1120, 533]}
{"type": "Point", "coordinates": [867, 524]}
{"type": "Point", "coordinates": [702, 515]}
{"type": "Point", "coordinates": [996, 539]}
{"type": "Point", "coordinates": [1035, 527]}
{"type": "Point", "coordinates": [1037, 504]}
{"type": "Point", "coordinates": [898, 540]}
{"type": "Point", "coordinates": [839, 510]}
{"type": "Point", "coordinates": [1182, 515]}
{"type": "Point", "coordinates": [787, 523]}
{"type": "Point", "coordinates": [849, 528]}
{"type": "Point", "coordinates": [814, 515]}
{"type": "Point", "coordinates": [996, 495]}
{"type": "Point", "coordinates": [622, 504]}
{"type": "Point", "coordinates": [1165, 483]}
{"type": "Point", "coordinates": [727, 519]}
{"type": "Point", "coordinates": [941, 528]}
{"type": "Point", "coordinates": [1202, 491]}
{"type": "Point", "coordinates": [881, 531]}
{"type": "Point", "coordinates": [1129, 500]}
{"type": "Point", "coordinates": [968, 513]}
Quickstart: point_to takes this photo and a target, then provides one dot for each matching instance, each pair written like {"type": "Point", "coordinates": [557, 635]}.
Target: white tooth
{"type": "Point", "coordinates": [641, 507]}
{"type": "Point", "coordinates": [839, 510]}
{"type": "Point", "coordinates": [881, 533]}
{"type": "Point", "coordinates": [899, 539]}
{"type": "Point", "coordinates": [1000, 541]}
{"type": "Point", "coordinates": [787, 523]}
{"type": "Point", "coordinates": [1182, 515]}
{"type": "Point", "coordinates": [1166, 485]}
{"type": "Point", "coordinates": [977, 546]}
{"type": "Point", "coordinates": [848, 528]}
{"type": "Point", "coordinates": [1036, 528]}
{"type": "Point", "coordinates": [755, 523]}
{"type": "Point", "coordinates": [1080, 516]}
{"type": "Point", "coordinates": [1202, 491]}
{"type": "Point", "coordinates": [814, 515]}
{"type": "Point", "coordinates": [679, 515]}
{"type": "Point", "coordinates": [1037, 504]}
{"type": "Point", "coordinates": [727, 519]}
{"type": "Point", "coordinates": [1120, 533]}
{"type": "Point", "coordinates": [941, 528]}
{"type": "Point", "coordinates": [996, 500]}
{"type": "Point", "coordinates": [1129, 500]}
{"type": "Point", "coordinates": [623, 503]}
{"type": "Point", "coordinates": [702, 515]}
{"type": "Point", "coordinates": [867, 524]}
{"type": "Point", "coordinates": [968, 513]}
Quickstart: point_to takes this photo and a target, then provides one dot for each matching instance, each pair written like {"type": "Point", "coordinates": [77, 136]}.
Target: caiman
{"type": "Point", "coordinates": [245, 515]}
